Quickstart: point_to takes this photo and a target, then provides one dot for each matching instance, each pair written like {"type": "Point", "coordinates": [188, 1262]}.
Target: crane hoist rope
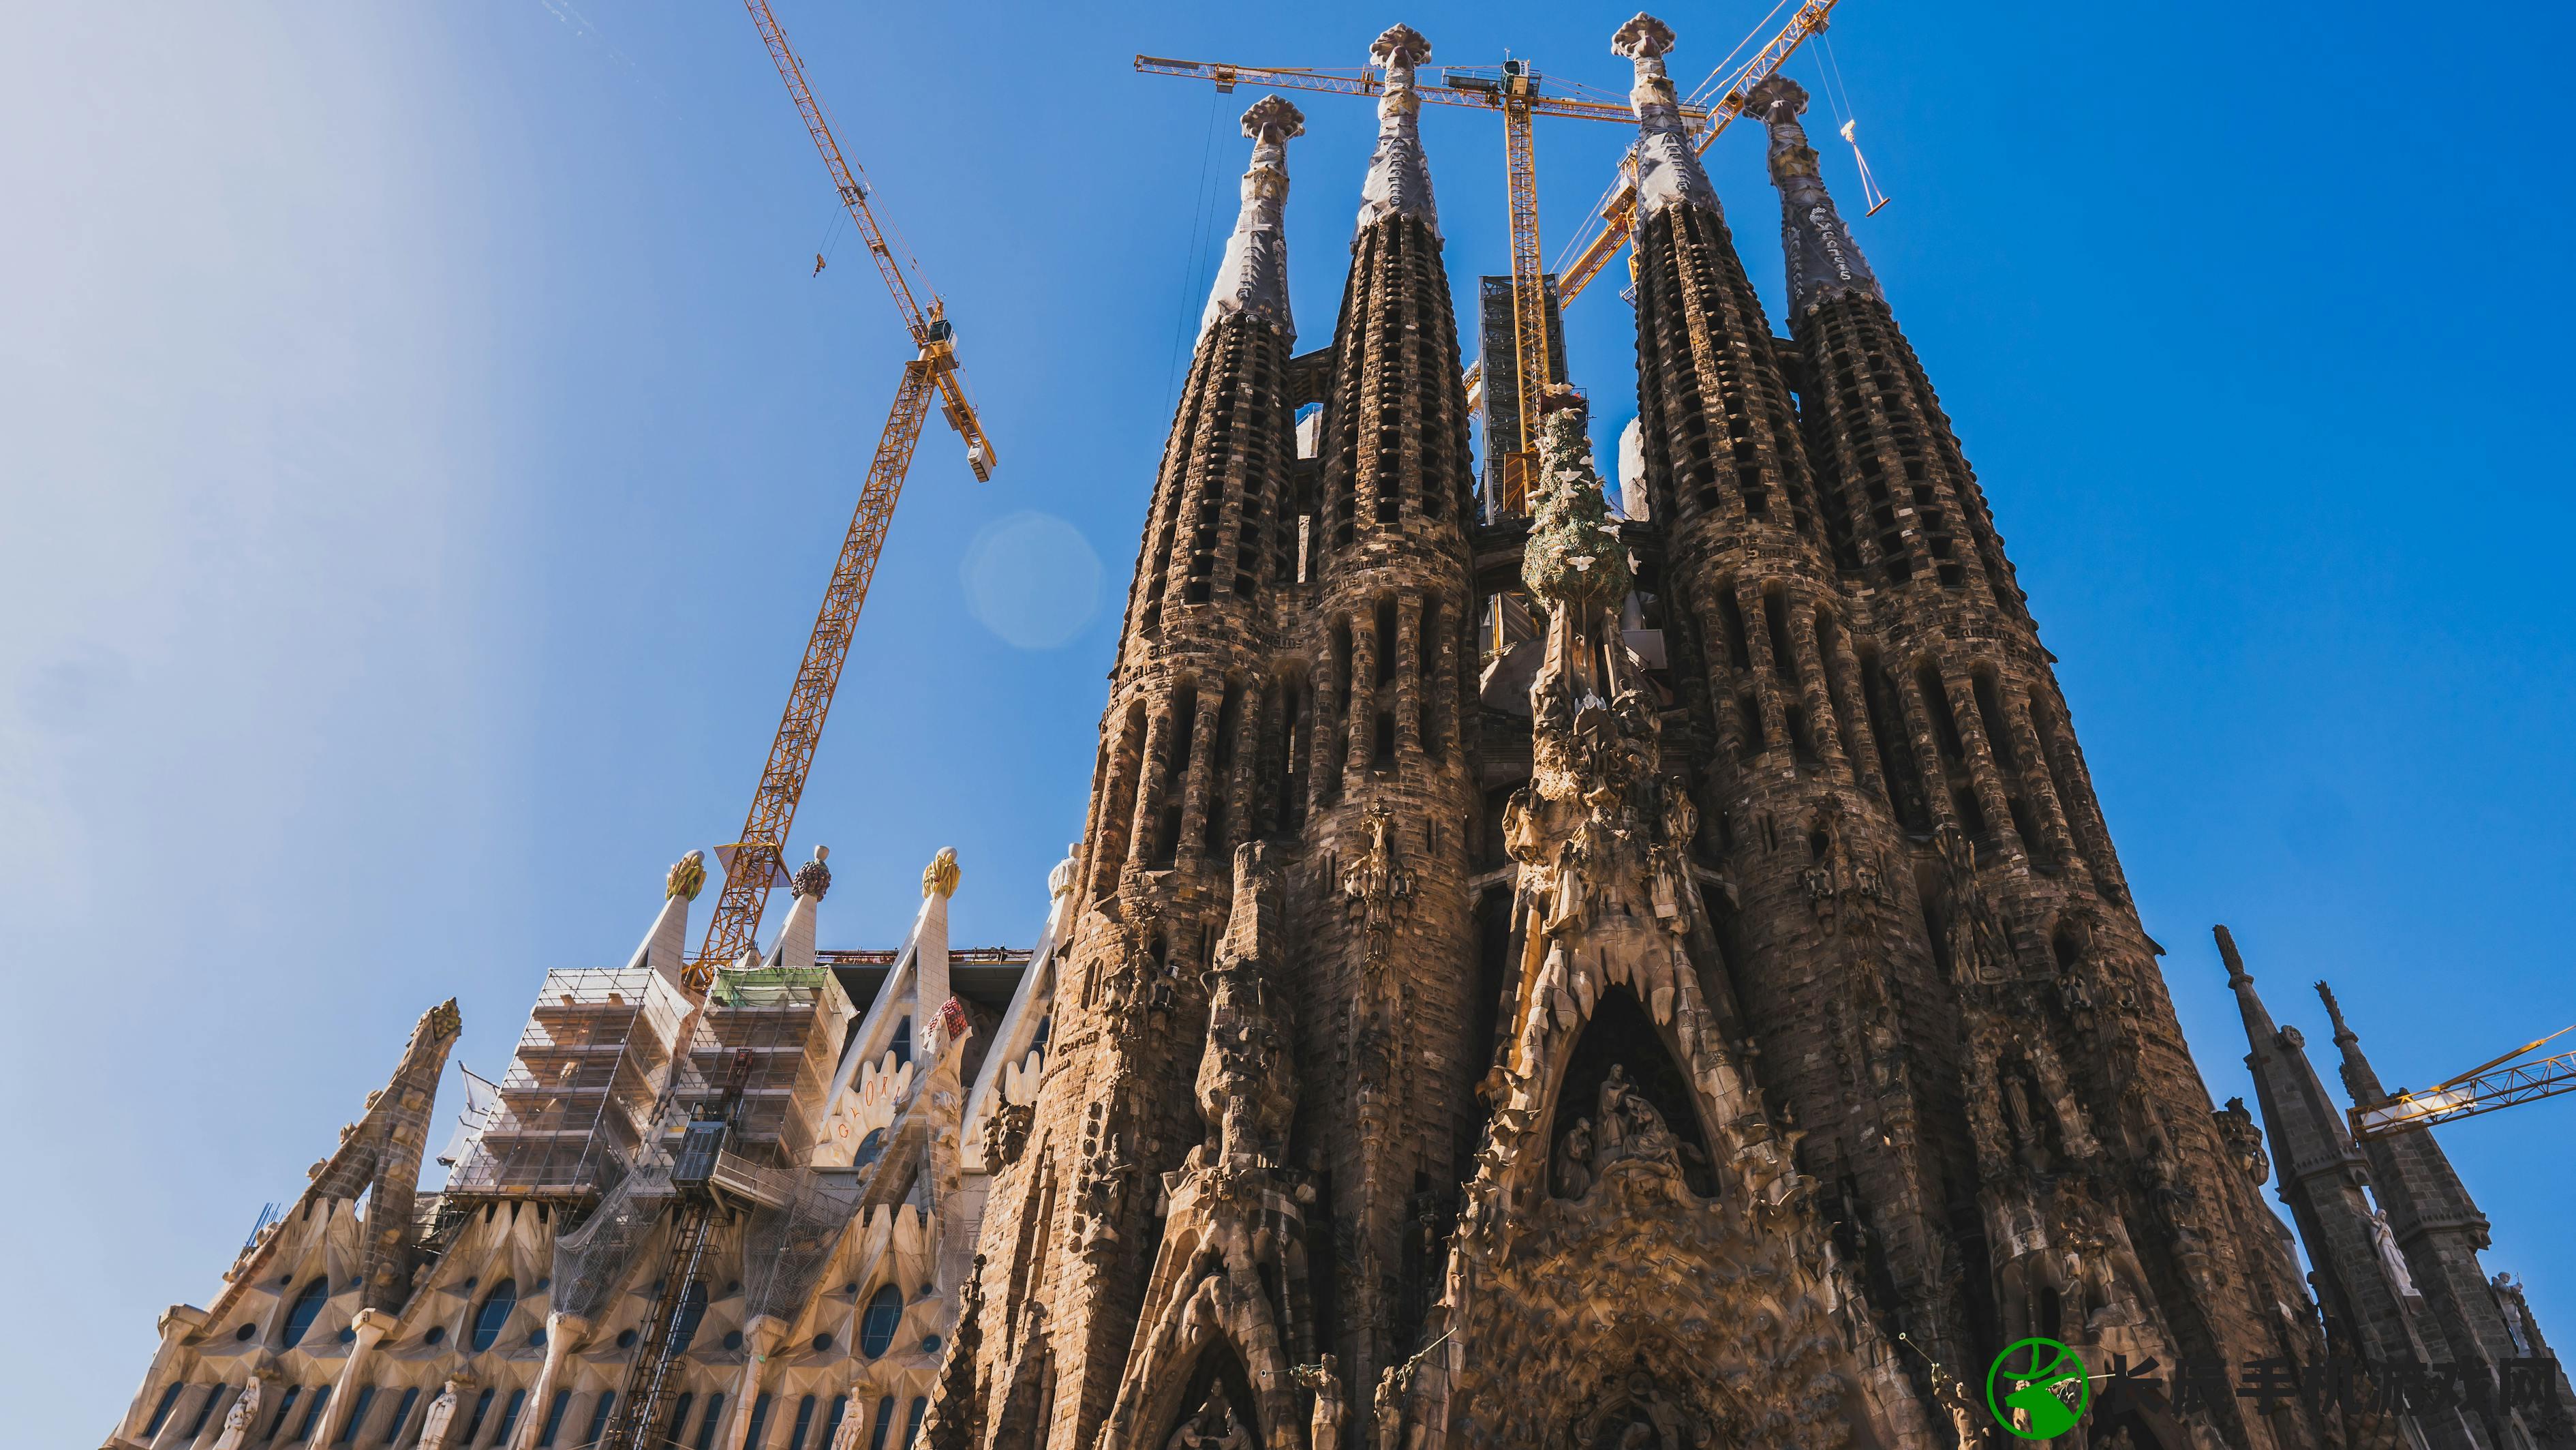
{"type": "Point", "coordinates": [755, 862]}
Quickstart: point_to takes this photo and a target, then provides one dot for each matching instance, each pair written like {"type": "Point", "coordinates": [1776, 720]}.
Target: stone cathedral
{"type": "Point", "coordinates": [1551, 979]}
{"type": "Point", "coordinates": [1535, 975]}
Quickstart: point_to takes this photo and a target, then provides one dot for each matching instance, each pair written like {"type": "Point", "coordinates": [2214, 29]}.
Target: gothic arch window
{"type": "Point", "coordinates": [870, 1148]}
{"type": "Point", "coordinates": [877, 1326]}
{"type": "Point", "coordinates": [494, 1313]}
{"type": "Point", "coordinates": [1622, 1095]}
{"type": "Point", "coordinates": [300, 1314]}
{"type": "Point", "coordinates": [1217, 1388]}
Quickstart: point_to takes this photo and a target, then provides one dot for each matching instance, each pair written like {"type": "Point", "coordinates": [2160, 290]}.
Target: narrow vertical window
{"type": "Point", "coordinates": [402, 1415]}
{"type": "Point", "coordinates": [759, 1422]}
{"type": "Point", "coordinates": [884, 1426]}
{"type": "Point", "coordinates": [286, 1406]}
{"type": "Point", "coordinates": [707, 1422]}
{"type": "Point", "coordinates": [804, 1422]}
{"type": "Point", "coordinates": [161, 1411]}
{"type": "Point", "coordinates": [1936, 705]}
{"type": "Point", "coordinates": [356, 1423]}
{"type": "Point", "coordinates": [205, 1412]}
{"type": "Point", "coordinates": [554, 1419]}
{"type": "Point", "coordinates": [599, 1414]}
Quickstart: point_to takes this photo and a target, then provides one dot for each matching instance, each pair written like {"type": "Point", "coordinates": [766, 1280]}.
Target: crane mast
{"type": "Point", "coordinates": [755, 863]}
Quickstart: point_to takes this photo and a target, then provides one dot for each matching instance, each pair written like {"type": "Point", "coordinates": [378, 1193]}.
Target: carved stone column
{"type": "Point", "coordinates": [177, 1323]}
{"type": "Point", "coordinates": [564, 1334]}
{"type": "Point", "coordinates": [373, 1326]}
{"type": "Point", "coordinates": [760, 1337]}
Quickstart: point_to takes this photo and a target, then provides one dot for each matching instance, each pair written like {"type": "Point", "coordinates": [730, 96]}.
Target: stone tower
{"type": "Point", "coordinates": [1565, 980]}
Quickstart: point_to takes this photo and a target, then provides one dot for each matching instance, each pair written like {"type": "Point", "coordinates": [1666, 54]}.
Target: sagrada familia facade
{"type": "Point", "coordinates": [1532, 976]}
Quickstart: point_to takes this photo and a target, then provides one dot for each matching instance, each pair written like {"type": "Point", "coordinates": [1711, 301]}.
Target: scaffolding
{"type": "Point", "coordinates": [1506, 487]}
{"type": "Point", "coordinates": [584, 1089]}
{"type": "Point", "coordinates": [790, 1019]}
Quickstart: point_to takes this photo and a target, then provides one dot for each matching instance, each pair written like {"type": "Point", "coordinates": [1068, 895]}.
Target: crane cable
{"type": "Point", "coordinates": [1829, 75]}
{"type": "Point", "coordinates": [1188, 270]}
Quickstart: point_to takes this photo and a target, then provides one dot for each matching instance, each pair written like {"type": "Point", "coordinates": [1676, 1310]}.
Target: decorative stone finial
{"type": "Point", "coordinates": [2343, 1032]}
{"type": "Point", "coordinates": [442, 1020]}
{"type": "Point", "coordinates": [1776, 99]}
{"type": "Point", "coordinates": [814, 878]}
{"type": "Point", "coordinates": [942, 874]}
{"type": "Point", "coordinates": [1274, 120]}
{"type": "Point", "coordinates": [1643, 37]}
{"type": "Point", "coordinates": [2236, 973]}
{"type": "Point", "coordinates": [1399, 178]}
{"type": "Point", "coordinates": [1668, 169]}
{"type": "Point", "coordinates": [687, 877]}
{"type": "Point", "coordinates": [1400, 45]}
{"type": "Point", "coordinates": [1252, 280]}
{"type": "Point", "coordinates": [1573, 558]}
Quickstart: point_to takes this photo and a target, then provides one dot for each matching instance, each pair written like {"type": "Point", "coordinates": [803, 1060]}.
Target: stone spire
{"type": "Point", "coordinates": [1668, 169]}
{"type": "Point", "coordinates": [1252, 281]}
{"type": "Point", "coordinates": [1399, 179]}
{"type": "Point", "coordinates": [1824, 262]}
{"type": "Point", "coordinates": [2436, 1225]}
{"type": "Point", "coordinates": [2322, 1178]}
{"type": "Point", "coordinates": [795, 946]}
{"type": "Point", "coordinates": [2359, 1079]}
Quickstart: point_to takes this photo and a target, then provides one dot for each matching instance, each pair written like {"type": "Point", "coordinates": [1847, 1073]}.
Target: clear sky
{"type": "Point", "coordinates": [424, 446]}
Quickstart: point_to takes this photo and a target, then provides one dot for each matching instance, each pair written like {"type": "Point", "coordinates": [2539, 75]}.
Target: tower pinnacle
{"type": "Point", "coordinates": [1399, 179]}
{"type": "Point", "coordinates": [1253, 278]}
{"type": "Point", "coordinates": [1823, 260]}
{"type": "Point", "coordinates": [1668, 169]}
{"type": "Point", "coordinates": [2359, 1078]}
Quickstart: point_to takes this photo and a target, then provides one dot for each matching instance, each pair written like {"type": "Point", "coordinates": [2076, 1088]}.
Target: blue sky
{"type": "Point", "coordinates": [425, 447]}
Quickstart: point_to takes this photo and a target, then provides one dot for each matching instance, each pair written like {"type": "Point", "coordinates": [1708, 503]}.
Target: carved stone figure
{"type": "Point", "coordinates": [1324, 1429]}
{"type": "Point", "coordinates": [433, 1425]}
{"type": "Point", "coordinates": [1378, 888]}
{"type": "Point", "coordinates": [1246, 1083]}
{"type": "Point", "coordinates": [1386, 1407]}
{"type": "Point", "coordinates": [1574, 1160]}
{"type": "Point", "coordinates": [244, 1415]}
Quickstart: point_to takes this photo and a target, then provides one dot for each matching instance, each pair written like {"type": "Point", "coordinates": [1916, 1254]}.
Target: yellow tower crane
{"type": "Point", "coordinates": [753, 864]}
{"type": "Point", "coordinates": [2482, 1089]}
